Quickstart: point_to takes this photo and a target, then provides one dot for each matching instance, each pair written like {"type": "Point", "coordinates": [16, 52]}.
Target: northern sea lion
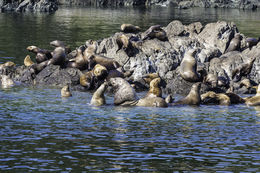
{"type": "Point", "coordinates": [6, 81]}
{"type": "Point", "coordinates": [149, 77]}
{"type": "Point", "coordinates": [211, 97]}
{"type": "Point", "coordinates": [234, 43]}
{"type": "Point", "coordinates": [36, 68]}
{"type": "Point", "coordinates": [234, 98]}
{"type": "Point", "coordinates": [250, 42]}
{"type": "Point", "coordinates": [98, 98]}
{"type": "Point", "coordinates": [155, 90]}
{"type": "Point", "coordinates": [211, 79]}
{"type": "Point", "coordinates": [65, 91]}
{"type": "Point", "coordinates": [58, 57]}
{"type": "Point", "coordinates": [7, 64]}
{"type": "Point", "coordinates": [117, 73]}
{"type": "Point", "coordinates": [124, 43]}
{"type": "Point", "coordinates": [152, 102]}
{"type": "Point", "coordinates": [79, 61]}
{"type": "Point", "coordinates": [155, 32]}
{"type": "Point", "coordinates": [41, 54]}
{"type": "Point", "coordinates": [90, 78]}
{"type": "Point", "coordinates": [58, 43]}
{"type": "Point", "coordinates": [129, 28]}
{"type": "Point", "coordinates": [124, 94]}
{"type": "Point", "coordinates": [243, 69]}
{"type": "Point", "coordinates": [193, 98]}
{"type": "Point", "coordinates": [27, 61]}
{"type": "Point", "coordinates": [109, 63]}
{"type": "Point", "coordinates": [188, 67]}
{"type": "Point", "coordinates": [254, 100]}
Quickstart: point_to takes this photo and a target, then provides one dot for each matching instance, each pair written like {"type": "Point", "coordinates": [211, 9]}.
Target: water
{"type": "Point", "coordinates": [40, 131]}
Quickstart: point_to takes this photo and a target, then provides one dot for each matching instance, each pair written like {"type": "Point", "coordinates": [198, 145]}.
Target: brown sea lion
{"type": "Point", "coordinates": [124, 94]}
{"type": "Point", "coordinates": [152, 102]}
{"type": "Point", "coordinates": [254, 100]}
{"type": "Point", "coordinates": [193, 98]}
{"type": "Point", "coordinates": [149, 77]}
{"type": "Point", "coordinates": [27, 61]}
{"type": "Point", "coordinates": [234, 98]}
{"type": "Point", "coordinates": [129, 28]}
{"type": "Point", "coordinates": [109, 63]}
{"type": "Point", "coordinates": [7, 64]}
{"type": "Point", "coordinates": [91, 49]}
{"type": "Point", "coordinates": [234, 43]}
{"type": "Point", "coordinates": [58, 43]}
{"type": "Point", "coordinates": [6, 81]}
{"type": "Point", "coordinates": [65, 91]}
{"type": "Point", "coordinates": [155, 32]}
{"type": "Point", "coordinates": [215, 98]}
{"type": "Point", "coordinates": [211, 79]}
{"type": "Point", "coordinates": [98, 73]}
{"type": "Point", "coordinates": [243, 69]}
{"type": "Point", "coordinates": [188, 67]}
{"type": "Point", "coordinates": [41, 54]}
{"type": "Point", "coordinates": [36, 68]}
{"type": "Point", "coordinates": [79, 61]}
{"type": "Point", "coordinates": [250, 42]}
{"type": "Point", "coordinates": [58, 57]}
{"type": "Point", "coordinates": [98, 98]}
{"type": "Point", "coordinates": [154, 90]}
{"type": "Point", "coordinates": [124, 43]}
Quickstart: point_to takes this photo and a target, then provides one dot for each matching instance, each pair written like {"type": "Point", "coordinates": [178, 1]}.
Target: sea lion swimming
{"type": "Point", "coordinates": [41, 54]}
{"type": "Point", "coordinates": [254, 100]}
{"type": "Point", "coordinates": [234, 43]}
{"type": "Point", "coordinates": [6, 81]}
{"type": "Point", "coordinates": [27, 61]}
{"type": "Point", "coordinates": [193, 98]}
{"type": "Point", "coordinates": [65, 91]}
{"type": "Point", "coordinates": [98, 98]}
{"type": "Point", "coordinates": [188, 67]}
{"type": "Point", "coordinates": [129, 28]}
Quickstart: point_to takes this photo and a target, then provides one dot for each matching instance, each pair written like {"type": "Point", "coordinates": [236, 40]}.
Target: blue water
{"type": "Point", "coordinates": [40, 131]}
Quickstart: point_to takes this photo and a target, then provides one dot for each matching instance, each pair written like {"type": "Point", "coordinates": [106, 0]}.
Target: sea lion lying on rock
{"type": "Point", "coordinates": [155, 32]}
{"type": "Point", "coordinates": [7, 64]}
{"type": "Point", "coordinates": [79, 62]}
{"type": "Point", "coordinates": [234, 43]}
{"type": "Point", "coordinates": [41, 54]}
{"type": "Point", "coordinates": [193, 98]}
{"type": "Point", "coordinates": [129, 28]}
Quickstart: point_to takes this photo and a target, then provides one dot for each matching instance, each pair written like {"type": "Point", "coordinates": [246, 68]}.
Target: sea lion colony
{"type": "Point", "coordinates": [99, 72]}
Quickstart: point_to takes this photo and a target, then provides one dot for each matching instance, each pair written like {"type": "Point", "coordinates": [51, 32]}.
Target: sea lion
{"type": "Point", "coordinates": [154, 90]}
{"type": "Point", "coordinates": [193, 98]}
{"type": "Point", "coordinates": [234, 98]}
{"type": "Point", "coordinates": [58, 43]}
{"type": "Point", "coordinates": [129, 28]}
{"type": "Point", "coordinates": [245, 82]}
{"type": "Point", "coordinates": [98, 98]}
{"type": "Point", "coordinates": [109, 63]}
{"type": "Point", "coordinates": [91, 78]}
{"type": "Point", "coordinates": [79, 61]}
{"type": "Point", "coordinates": [124, 94]}
{"type": "Point", "coordinates": [250, 42]}
{"type": "Point", "coordinates": [152, 102]}
{"type": "Point", "coordinates": [124, 43]}
{"type": "Point", "coordinates": [65, 91]}
{"type": "Point", "coordinates": [36, 68]}
{"type": "Point", "coordinates": [58, 57]}
{"type": "Point", "coordinates": [149, 77]}
{"type": "Point", "coordinates": [41, 54]}
{"type": "Point", "coordinates": [27, 61]}
{"type": "Point", "coordinates": [234, 43]}
{"type": "Point", "coordinates": [155, 32]}
{"type": "Point", "coordinates": [215, 98]}
{"type": "Point", "coordinates": [243, 70]}
{"type": "Point", "coordinates": [91, 48]}
{"type": "Point", "coordinates": [117, 73]}
{"type": "Point", "coordinates": [254, 100]}
{"type": "Point", "coordinates": [7, 64]}
{"type": "Point", "coordinates": [211, 79]}
{"type": "Point", "coordinates": [188, 67]}
{"type": "Point", "coordinates": [6, 81]}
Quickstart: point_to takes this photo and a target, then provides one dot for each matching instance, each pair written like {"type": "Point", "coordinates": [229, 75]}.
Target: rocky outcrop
{"type": "Point", "coordinates": [164, 57]}
{"type": "Point", "coordinates": [242, 4]}
{"type": "Point", "coordinates": [29, 5]}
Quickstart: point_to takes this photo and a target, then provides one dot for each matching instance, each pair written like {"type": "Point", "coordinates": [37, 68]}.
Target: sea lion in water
{"type": "Point", "coordinates": [98, 98]}
{"type": "Point", "coordinates": [129, 28]}
{"type": "Point", "coordinates": [65, 91]}
{"type": "Point", "coordinates": [152, 102]}
{"type": "Point", "coordinates": [6, 81]}
{"type": "Point", "coordinates": [155, 32]}
{"type": "Point", "coordinates": [124, 94]}
{"type": "Point", "coordinates": [155, 90]}
{"type": "Point", "coordinates": [234, 43]}
{"type": "Point", "coordinates": [215, 98]}
{"type": "Point", "coordinates": [193, 98]}
{"type": "Point", "coordinates": [27, 61]}
{"type": "Point", "coordinates": [188, 67]}
{"type": "Point", "coordinates": [254, 100]}
{"type": "Point", "coordinates": [41, 54]}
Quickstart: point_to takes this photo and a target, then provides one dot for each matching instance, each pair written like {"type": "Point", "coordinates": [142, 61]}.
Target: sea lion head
{"type": "Point", "coordinates": [100, 71]}
{"type": "Point", "coordinates": [57, 43]}
{"type": "Point", "coordinates": [31, 48]}
{"type": "Point", "coordinates": [65, 91]}
{"type": "Point", "coordinates": [155, 82]}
